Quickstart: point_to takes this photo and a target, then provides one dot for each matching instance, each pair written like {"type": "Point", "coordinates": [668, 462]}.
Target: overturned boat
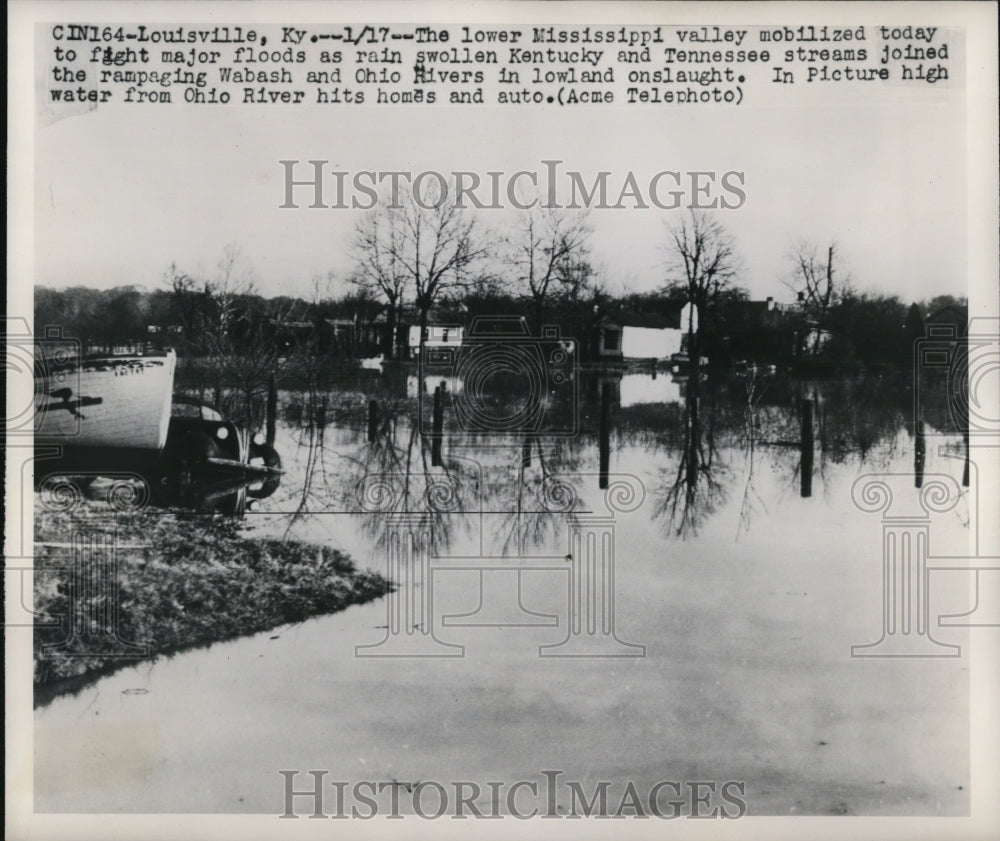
{"type": "Point", "coordinates": [121, 402]}
{"type": "Point", "coordinates": [117, 417]}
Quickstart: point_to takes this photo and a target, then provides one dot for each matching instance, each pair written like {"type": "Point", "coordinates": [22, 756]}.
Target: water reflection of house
{"type": "Point", "coordinates": [640, 389]}
{"type": "Point", "coordinates": [417, 386]}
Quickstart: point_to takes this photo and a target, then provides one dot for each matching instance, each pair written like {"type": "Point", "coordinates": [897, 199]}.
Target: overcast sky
{"type": "Point", "coordinates": [118, 199]}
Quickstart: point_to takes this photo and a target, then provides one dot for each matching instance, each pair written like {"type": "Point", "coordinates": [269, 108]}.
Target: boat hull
{"type": "Point", "coordinates": [119, 402]}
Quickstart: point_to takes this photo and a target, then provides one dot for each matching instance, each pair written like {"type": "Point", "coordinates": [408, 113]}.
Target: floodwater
{"type": "Point", "coordinates": [653, 584]}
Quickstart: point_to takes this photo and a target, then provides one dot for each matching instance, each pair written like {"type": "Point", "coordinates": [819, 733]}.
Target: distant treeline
{"type": "Point", "coordinates": [859, 328]}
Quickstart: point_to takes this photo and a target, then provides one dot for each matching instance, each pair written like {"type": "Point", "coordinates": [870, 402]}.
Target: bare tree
{"type": "Point", "coordinates": [223, 323]}
{"type": "Point", "coordinates": [703, 264]}
{"type": "Point", "coordinates": [433, 245]}
{"type": "Point", "coordinates": [188, 302]}
{"type": "Point", "coordinates": [208, 306]}
{"type": "Point", "coordinates": [817, 283]}
{"type": "Point", "coordinates": [379, 271]}
{"type": "Point", "coordinates": [547, 253]}
{"type": "Point", "coordinates": [230, 288]}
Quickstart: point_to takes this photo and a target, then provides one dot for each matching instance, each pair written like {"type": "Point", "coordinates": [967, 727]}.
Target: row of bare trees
{"type": "Point", "coordinates": [416, 250]}
{"type": "Point", "coordinates": [418, 253]}
{"type": "Point", "coordinates": [419, 250]}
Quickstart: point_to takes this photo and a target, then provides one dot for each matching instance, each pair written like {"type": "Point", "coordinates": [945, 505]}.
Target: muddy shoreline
{"type": "Point", "coordinates": [114, 589]}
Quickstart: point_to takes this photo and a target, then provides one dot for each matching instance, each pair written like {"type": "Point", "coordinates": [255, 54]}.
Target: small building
{"type": "Point", "coordinates": [945, 341]}
{"type": "Point", "coordinates": [290, 334]}
{"type": "Point", "coordinates": [762, 331]}
{"type": "Point", "coordinates": [637, 335]}
{"type": "Point", "coordinates": [650, 342]}
{"type": "Point", "coordinates": [606, 343]}
{"type": "Point", "coordinates": [813, 340]}
{"type": "Point", "coordinates": [950, 319]}
{"type": "Point", "coordinates": [340, 335]}
{"type": "Point", "coordinates": [436, 336]}
{"type": "Point", "coordinates": [374, 337]}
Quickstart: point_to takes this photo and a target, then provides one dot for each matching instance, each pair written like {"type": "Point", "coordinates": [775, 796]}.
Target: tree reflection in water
{"type": "Point", "coordinates": [545, 490]}
{"type": "Point", "coordinates": [741, 431]}
{"type": "Point", "coordinates": [685, 501]}
{"type": "Point", "coordinates": [752, 501]}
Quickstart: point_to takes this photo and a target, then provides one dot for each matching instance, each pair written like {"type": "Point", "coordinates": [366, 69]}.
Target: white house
{"type": "Point", "coordinates": [650, 342]}
{"type": "Point", "coordinates": [437, 336]}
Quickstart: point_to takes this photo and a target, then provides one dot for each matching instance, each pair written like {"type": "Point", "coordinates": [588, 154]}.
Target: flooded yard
{"type": "Point", "coordinates": [658, 582]}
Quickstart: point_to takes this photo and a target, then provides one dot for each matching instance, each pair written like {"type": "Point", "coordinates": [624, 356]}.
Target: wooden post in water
{"type": "Point", "coordinates": [822, 428]}
{"type": "Point", "coordinates": [438, 428]}
{"type": "Point", "coordinates": [807, 444]}
{"type": "Point", "coordinates": [271, 410]}
{"type": "Point", "coordinates": [372, 421]}
{"type": "Point", "coordinates": [965, 440]}
{"type": "Point", "coordinates": [965, 472]}
{"type": "Point", "coordinates": [692, 441]}
{"type": "Point", "coordinates": [919, 455]}
{"type": "Point", "coordinates": [604, 434]}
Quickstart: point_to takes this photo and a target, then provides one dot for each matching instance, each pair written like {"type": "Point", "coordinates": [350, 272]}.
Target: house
{"type": "Point", "coordinates": [374, 335]}
{"type": "Point", "coordinates": [761, 331]}
{"type": "Point", "coordinates": [606, 343]}
{"type": "Point", "coordinates": [650, 342]}
{"type": "Point", "coordinates": [813, 340]}
{"type": "Point", "coordinates": [949, 320]}
{"type": "Point", "coordinates": [340, 334]}
{"type": "Point", "coordinates": [436, 336]}
{"type": "Point", "coordinates": [638, 335]}
{"type": "Point", "coordinates": [945, 341]}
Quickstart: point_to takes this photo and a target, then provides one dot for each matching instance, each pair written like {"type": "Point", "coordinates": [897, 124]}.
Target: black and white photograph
{"type": "Point", "coordinates": [561, 419]}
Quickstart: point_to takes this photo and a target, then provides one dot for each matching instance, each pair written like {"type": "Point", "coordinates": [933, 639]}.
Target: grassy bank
{"type": "Point", "coordinates": [183, 580]}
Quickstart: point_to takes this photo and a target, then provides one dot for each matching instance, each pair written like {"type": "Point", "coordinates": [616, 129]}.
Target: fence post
{"type": "Point", "coordinates": [271, 410]}
{"type": "Point", "coordinates": [604, 434]}
{"type": "Point", "coordinates": [438, 428]}
{"type": "Point", "coordinates": [807, 445]}
{"type": "Point", "coordinates": [372, 421]}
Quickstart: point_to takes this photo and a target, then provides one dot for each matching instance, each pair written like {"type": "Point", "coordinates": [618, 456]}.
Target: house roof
{"type": "Point", "coordinates": [293, 325]}
{"type": "Point", "coordinates": [751, 313]}
{"type": "Point", "coordinates": [652, 320]}
{"type": "Point", "coordinates": [949, 314]}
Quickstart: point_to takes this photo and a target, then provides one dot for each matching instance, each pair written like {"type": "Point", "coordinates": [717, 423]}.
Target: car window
{"type": "Point", "coordinates": [185, 408]}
